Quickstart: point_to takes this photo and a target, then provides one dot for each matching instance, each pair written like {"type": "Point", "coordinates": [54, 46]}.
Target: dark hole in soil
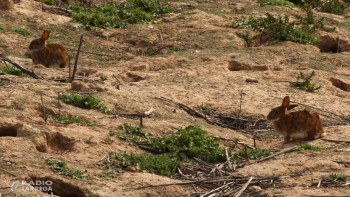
{"type": "Point", "coordinates": [57, 187]}
{"type": "Point", "coordinates": [8, 131]}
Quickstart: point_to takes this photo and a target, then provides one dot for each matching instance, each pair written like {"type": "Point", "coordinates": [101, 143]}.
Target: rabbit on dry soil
{"type": "Point", "coordinates": [49, 55]}
{"type": "Point", "coordinates": [301, 125]}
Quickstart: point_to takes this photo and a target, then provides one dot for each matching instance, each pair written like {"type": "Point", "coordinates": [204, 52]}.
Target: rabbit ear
{"type": "Point", "coordinates": [291, 107]}
{"type": "Point", "coordinates": [285, 102]}
{"type": "Point", "coordinates": [46, 34]}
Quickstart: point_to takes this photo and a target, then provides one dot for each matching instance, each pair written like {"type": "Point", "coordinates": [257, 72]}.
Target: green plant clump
{"type": "Point", "coordinates": [163, 164]}
{"type": "Point", "coordinates": [330, 6]}
{"type": "Point", "coordinates": [49, 2]}
{"type": "Point", "coordinates": [103, 78]}
{"type": "Point", "coordinates": [23, 32]}
{"type": "Point", "coordinates": [114, 15]}
{"type": "Point", "coordinates": [60, 167]}
{"type": "Point", "coordinates": [277, 2]}
{"type": "Point", "coordinates": [190, 142]}
{"type": "Point", "coordinates": [84, 101]}
{"type": "Point", "coordinates": [305, 83]}
{"type": "Point", "coordinates": [70, 120]}
{"type": "Point", "coordinates": [252, 154]}
{"type": "Point", "coordinates": [280, 29]}
{"type": "Point", "coordinates": [14, 71]}
{"type": "Point", "coordinates": [128, 128]}
{"type": "Point", "coordinates": [308, 146]}
{"type": "Point", "coordinates": [177, 48]}
{"type": "Point", "coordinates": [2, 28]}
{"type": "Point", "coordinates": [338, 177]}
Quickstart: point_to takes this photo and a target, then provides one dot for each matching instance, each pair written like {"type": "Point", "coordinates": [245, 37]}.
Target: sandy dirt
{"type": "Point", "coordinates": [198, 76]}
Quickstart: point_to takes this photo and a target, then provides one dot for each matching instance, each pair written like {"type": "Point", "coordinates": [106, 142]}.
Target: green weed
{"type": "Point", "coordinates": [49, 2]}
{"type": "Point", "coordinates": [84, 101]}
{"type": "Point", "coordinates": [163, 164]}
{"type": "Point", "coordinates": [60, 167]}
{"type": "Point", "coordinates": [277, 2]}
{"type": "Point", "coordinates": [23, 32]}
{"type": "Point", "coordinates": [188, 12]}
{"type": "Point", "coordinates": [114, 15]}
{"type": "Point", "coordinates": [14, 71]}
{"type": "Point", "coordinates": [2, 28]}
{"type": "Point", "coordinates": [331, 6]}
{"type": "Point", "coordinates": [134, 130]}
{"type": "Point", "coordinates": [103, 78]}
{"type": "Point", "coordinates": [338, 177]}
{"type": "Point", "coordinates": [177, 48]}
{"type": "Point", "coordinates": [308, 146]}
{"type": "Point", "coordinates": [305, 83]}
{"type": "Point", "coordinates": [70, 120]}
{"type": "Point", "coordinates": [252, 154]}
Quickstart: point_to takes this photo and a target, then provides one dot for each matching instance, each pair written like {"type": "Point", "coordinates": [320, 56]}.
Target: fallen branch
{"type": "Point", "coordinates": [244, 187]}
{"type": "Point", "coordinates": [342, 162]}
{"type": "Point", "coordinates": [57, 8]}
{"type": "Point", "coordinates": [336, 141]}
{"type": "Point", "coordinates": [279, 153]}
{"type": "Point", "coordinates": [8, 172]}
{"type": "Point", "coordinates": [30, 73]}
{"type": "Point", "coordinates": [214, 190]}
{"type": "Point", "coordinates": [98, 160]}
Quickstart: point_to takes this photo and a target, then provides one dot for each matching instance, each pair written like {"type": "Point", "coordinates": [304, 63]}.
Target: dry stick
{"type": "Point", "coordinates": [228, 160]}
{"type": "Point", "coordinates": [279, 153]}
{"type": "Point", "coordinates": [76, 58]}
{"type": "Point", "coordinates": [57, 8]}
{"type": "Point", "coordinates": [214, 190]}
{"type": "Point", "coordinates": [243, 143]}
{"type": "Point", "coordinates": [10, 173]}
{"type": "Point", "coordinates": [31, 73]}
{"type": "Point", "coordinates": [93, 53]}
{"type": "Point", "coordinates": [98, 160]}
{"type": "Point", "coordinates": [337, 141]}
{"type": "Point", "coordinates": [316, 108]}
{"type": "Point", "coordinates": [338, 45]}
{"type": "Point", "coordinates": [181, 183]}
{"type": "Point", "coordinates": [69, 70]}
{"type": "Point", "coordinates": [244, 187]}
{"type": "Point", "coordinates": [4, 188]}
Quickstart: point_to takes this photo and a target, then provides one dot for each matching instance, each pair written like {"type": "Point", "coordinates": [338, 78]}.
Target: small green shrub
{"type": "Point", "coordinates": [188, 12]}
{"type": "Point", "coordinates": [60, 167]}
{"type": "Point", "coordinates": [70, 120]}
{"type": "Point", "coordinates": [103, 78]}
{"type": "Point", "coordinates": [338, 177]}
{"type": "Point", "coordinates": [14, 71]}
{"type": "Point", "coordinates": [305, 83]}
{"type": "Point", "coordinates": [23, 32]}
{"type": "Point", "coordinates": [277, 2]}
{"type": "Point", "coordinates": [128, 128]}
{"type": "Point", "coordinates": [84, 101]}
{"type": "Point", "coordinates": [49, 2]}
{"type": "Point", "coordinates": [2, 28]}
{"type": "Point", "coordinates": [330, 6]}
{"type": "Point", "coordinates": [252, 154]}
{"type": "Point", "coordinates": [163, 164]}
{"type": "Point", "coordinates": [114, 15]}
{"type": "Point", "coordinates": [177, 48]}
{"type": "Point", "coordinates": [308, 146]}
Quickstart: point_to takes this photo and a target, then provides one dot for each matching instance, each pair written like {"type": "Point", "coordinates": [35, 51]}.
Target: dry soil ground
{"type": "Point", "coordinates": [197, 76]}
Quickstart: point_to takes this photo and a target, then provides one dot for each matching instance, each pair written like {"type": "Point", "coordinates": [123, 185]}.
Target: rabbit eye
{"type": "Point", "coordinates": [276, 112]}
{"type": "Point", "coordinates": [37, 43]}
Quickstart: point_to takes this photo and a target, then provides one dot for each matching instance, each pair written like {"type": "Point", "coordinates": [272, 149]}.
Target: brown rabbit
{"type": "Point", "coordinates": [295, 125]}
{"type": "Point", "coordinates": [49, 55]}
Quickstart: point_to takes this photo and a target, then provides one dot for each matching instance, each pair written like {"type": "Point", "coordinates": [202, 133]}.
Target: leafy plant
{"type": "Point", "coordinates": [84, 101]}
{"type": "Point", "coordinates": [188, 12]}
{"type": "Point", "coordinates": [277, 2]}
{"type": "Point", "coordinates": [114, 15]}
{"type": "Point", "coordinates": [330, 6]}
{"type": "Point", "coordinates": [177, 48]}
{"type": "Point", "coordinates": [60, 167]}
{"type": "Point", "coordinates": [128, 128]}
{"type": "Point", "coordinates": [279, 29]}
{"type": "Point", "coordinates": [305, 83]}
{"type": "Point", "coordinates": [23, 32]}
{"type": "Point", "coordinates": [49, 2]}
{"type": "Point", "coordinates": [103, 78]}
{"type": "Point", "coordinates": [308, 146]}
{"type": "Point", "coordinates": [14, 71]}
{"type": "Point", "coordinates": [338, 177]}
{"type": "Point", "coordinates": [252, 154]}
{"type": "Point", "coordinates": [2, 28]}
{"type": "Point", "coordinates": [70, 120]}
{"type": "Point", "coordinates": [163, 164]}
